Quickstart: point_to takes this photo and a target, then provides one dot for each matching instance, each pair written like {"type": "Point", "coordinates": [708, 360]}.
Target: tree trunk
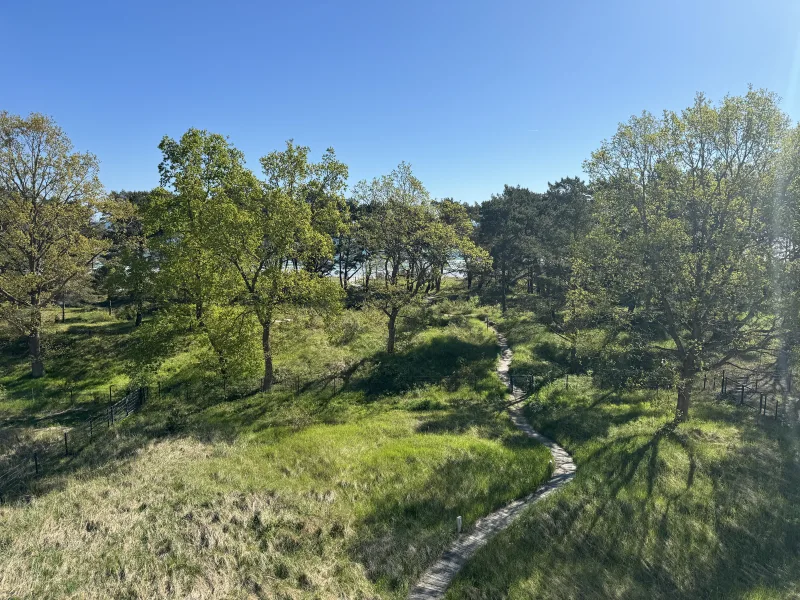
{"type": "Point", "coordinates": [469, 280]}
{"type": "Point", "coordinates": [266, 384]}
{"type": "Point", "coordinates": [530, 281]}
{"type": "Point", "coordinates": [35, 349]}
{"type": "Point", "coordinates": [392, 330]}
{"type": "Point", "coordinates": [685, 386]}
{"type": "Point", "coordinates": [63, 311]}
{"type": "Point", "coordinates": [138, 317]}
{"type": "Point", "coordinates": [503, 290]}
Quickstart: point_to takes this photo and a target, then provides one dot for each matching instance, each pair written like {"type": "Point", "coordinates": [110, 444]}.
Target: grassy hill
{"type": "Point", "coordinates": [705, 509]}
{"type": "Point", "coordinates": [309, 494]}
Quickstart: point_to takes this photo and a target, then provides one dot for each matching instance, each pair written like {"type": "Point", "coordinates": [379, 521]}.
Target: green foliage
{"type": "Point", "coordinates": [129, 268]}
{"type": "Point", "coordinates": [48, 195]}
{"type": "Point", "coordinates": [412, 238]}
{"type": "Point", "coordinates": [683, 235]}
{"type": "Point", "coordinates": [529, 235]}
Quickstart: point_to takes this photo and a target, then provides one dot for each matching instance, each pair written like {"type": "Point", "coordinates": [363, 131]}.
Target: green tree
{"type": "Point", "coordinates": [130, 268]}
{"type": "Point", "coordinates": [48, 196]}
{"type": "Point", "coordinates": [319, 185]}
{"type": "Point", "coordinates": [508, 230]}
{"type": "Point", "coordinates": [259, 228]}
{"type": "Point", "coordinates": [411, 237]}
{"type": "Point", "coordinates": [683, 238]}
{"type": "Point", "coordinates": [199, 172]}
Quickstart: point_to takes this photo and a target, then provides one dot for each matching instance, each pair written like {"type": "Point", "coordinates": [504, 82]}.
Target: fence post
{"type": "Point", "coordinates": [776, 410]}
{"type": "Point", "coordinates": [66, 447]}
{"type": "Point", "coordinates": [112, 414]}
{"type": "Point", "coordinates": [91, 433]}
{"type": "Point", "coordinates": [741, 399]}
{"type": "Point", "coordinates": [36, 463]}
{"type": "Point", "coordinates": [705, 377]}
{"type": "Point", "coordinates": [566, 381]}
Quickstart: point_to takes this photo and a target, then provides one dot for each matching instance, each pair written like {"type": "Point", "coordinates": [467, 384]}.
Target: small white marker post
{"type": "Point", "coordinates": [458, 524]}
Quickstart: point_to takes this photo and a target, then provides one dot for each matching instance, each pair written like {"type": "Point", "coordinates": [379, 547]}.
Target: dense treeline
{"type": "Point", "coordinates": [684, 241]}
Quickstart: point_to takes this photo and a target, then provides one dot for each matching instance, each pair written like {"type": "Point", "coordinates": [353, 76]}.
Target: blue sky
{"type": "Point", "coordinates": [473, 94]}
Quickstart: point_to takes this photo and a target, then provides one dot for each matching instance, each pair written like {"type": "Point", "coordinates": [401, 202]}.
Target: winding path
{"type": "Point", "coordinates": [434, 582]}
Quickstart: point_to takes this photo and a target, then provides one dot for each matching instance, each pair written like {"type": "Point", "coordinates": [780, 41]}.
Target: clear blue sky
{"type": "Point", "coordinates": [473, 94]}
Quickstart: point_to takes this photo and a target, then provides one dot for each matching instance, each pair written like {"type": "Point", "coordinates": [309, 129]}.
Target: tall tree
{"type": "Point", "coordinates": [411, 237]}
{"type": "Point", "coordinates": [198, 173]}
{"type": "Point", "coordinates": [683, 239]}
{"type": "Point", "coordinates": [319, 185]}
{"type": "Point", "coordinates": [48, 196]}
{"type": "Point", "coordinates": [260, 227]}
{"type": "Point", "coordinates": [130, 268]}
{"type": "Point", "coordinates": [508, 227]}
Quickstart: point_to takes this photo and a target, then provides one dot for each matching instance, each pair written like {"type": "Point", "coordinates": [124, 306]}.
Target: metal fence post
{"type": "Point", "coordinates": [705, 378]}
{"type": "Point", "coordinates": [36, 463]}
{"type": "Point", "coordinates": [66, 447]}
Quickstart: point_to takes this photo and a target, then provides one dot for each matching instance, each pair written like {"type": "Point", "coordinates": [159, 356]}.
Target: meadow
{"type": "Point", "coordinates": [316, 494]}
{"type": "Point", "coordinates": [709, 508]}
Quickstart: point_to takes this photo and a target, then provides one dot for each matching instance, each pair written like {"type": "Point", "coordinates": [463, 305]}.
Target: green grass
{"type": "Point", "coordinates": [706, 509]}
{"type": "Point", "coordinates": [282, 495]}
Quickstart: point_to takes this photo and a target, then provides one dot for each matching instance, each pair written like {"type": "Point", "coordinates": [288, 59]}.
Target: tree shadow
{"type": "Point", "coordinates": [444, 360]}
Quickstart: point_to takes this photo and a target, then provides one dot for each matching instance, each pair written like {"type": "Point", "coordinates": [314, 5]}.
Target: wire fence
{"type": "Point", "coordinates": [28, 461]}
{"type": "Point", "coordinates": [768, 392]}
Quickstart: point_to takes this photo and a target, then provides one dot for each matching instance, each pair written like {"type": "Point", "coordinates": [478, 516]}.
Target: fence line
{"type": "Point", "coordinates": [38, 458]}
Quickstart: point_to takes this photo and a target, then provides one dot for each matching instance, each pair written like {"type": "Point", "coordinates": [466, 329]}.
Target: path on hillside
{"type": "Point", "coordinates": [434, 582]}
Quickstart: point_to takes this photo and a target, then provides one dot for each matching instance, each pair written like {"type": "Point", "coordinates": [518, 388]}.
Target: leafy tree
{"type": "Point", "coordinates": [259, 227]}
{"type": "Point", "coordinates": [198, 173]}
{"type": "Point", "coordinates": [683, 239]}
{"type": "Point", "coordinates": [351, 253]}
{"type": "Point", "coordinates": [48, 196]}
{"type": "Point", "coordinates": [508, 228]}
{"type": "Point", "coordinates": [786, 240]}
{"type": "Point", "coordinates": [319, 185]}
{"type": "Point", "coordinates": [130, 268]}
{"type": "Point", "coordinates": [411, 237]}
{"type": "Point", "coordinates": [563, 216]}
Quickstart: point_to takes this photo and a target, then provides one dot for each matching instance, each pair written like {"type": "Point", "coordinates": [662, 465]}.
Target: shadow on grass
{"type": "Point", "coordinates": [657, 510]}
{"type": "Point", "coordinates": [444, 360]}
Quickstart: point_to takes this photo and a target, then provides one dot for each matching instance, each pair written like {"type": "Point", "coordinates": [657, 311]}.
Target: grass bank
{"type": "Point", "coordinates": [316, 494]}
{"type": "Point", "coordinates": [705, 509]}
